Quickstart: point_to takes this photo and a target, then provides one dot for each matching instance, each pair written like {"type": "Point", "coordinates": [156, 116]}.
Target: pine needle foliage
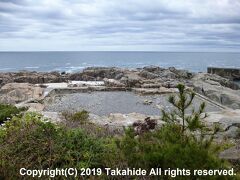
{"type": "Point", "coordinates": [192, 123]}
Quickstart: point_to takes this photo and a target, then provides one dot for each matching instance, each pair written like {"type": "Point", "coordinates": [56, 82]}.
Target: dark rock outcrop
{"type": "Point", "coordinates": [181, 73]}
{"type": "Point", "coordinates": [31, 77]}
{"type": "Point", "coordinates": [148, 75]}
{"type": "Point", "coordinates": [141, 127]}
{"type": "Point", "coordinates": [229, 73]}
{"type": "Point", "coordinates": [153, 69]}
{"type": "Point", "coordinates": [97, 73]}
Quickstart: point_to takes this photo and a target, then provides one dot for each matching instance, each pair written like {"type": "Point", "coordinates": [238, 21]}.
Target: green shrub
{"type": "Point", "coordinates": [32, 142]}
{"type": "Point", "coordinates": [7, 111]}
{"type": "Point", "coordinates": [182, 142]}
{"type": "Point", "coordinates": [163, 149]}
{"type": "Point", "coordinates": [81, 120]}
{"type": "Point", "coordinates": [81, 116]}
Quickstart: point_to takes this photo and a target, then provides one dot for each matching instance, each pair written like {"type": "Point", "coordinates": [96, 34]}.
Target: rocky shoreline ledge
{"type": "Point", "coordinates": [36, 89]}
{"type": "Point", "coordinates": [217, 88]}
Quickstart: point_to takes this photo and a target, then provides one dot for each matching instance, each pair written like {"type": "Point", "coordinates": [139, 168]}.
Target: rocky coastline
{"type": "Point", "coordinates": [215, 87]}
{"type": "Point", "coordinates": [32, 89]}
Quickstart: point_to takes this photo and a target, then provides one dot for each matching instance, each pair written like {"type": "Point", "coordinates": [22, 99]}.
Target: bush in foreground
{"type": "Point", "coordinates": [164, 149]}
{"type": "Point", "coordinates": [34, 143]}
{"type": "Point", "coordinates": [7, 111]}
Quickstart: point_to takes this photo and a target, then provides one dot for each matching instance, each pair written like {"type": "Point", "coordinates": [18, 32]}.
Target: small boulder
{"type": "Point", "coordinates": [152, 69]}
{"type": "Point", "coordinates": [113, 83]}
{"type": "Point", "coordinates": [148, 75]}
{"type": "Point", "coordinates": [232, 132]}
{"type": "Point", "coordinates": [181, 73]}
{"type": "Point", "coordinates": [131, 80]}
{"type": "Point", "coordinates": [142, 127]}
{"type": "Point", "coordinates": [147, 102]}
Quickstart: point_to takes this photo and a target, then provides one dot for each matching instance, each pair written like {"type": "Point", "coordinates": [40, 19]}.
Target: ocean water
{"type": "Point", "coordinates": [76, 61]}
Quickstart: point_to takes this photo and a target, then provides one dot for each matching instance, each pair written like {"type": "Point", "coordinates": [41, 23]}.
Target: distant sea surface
{"type": "Point", "coordinates": [76, 61]}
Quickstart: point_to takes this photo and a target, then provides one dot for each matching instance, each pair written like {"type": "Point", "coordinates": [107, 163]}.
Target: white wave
{"type": "Point", "coordinates": [72, 69]}
{"type": "Point", "coordinates": [139, 63]}
{"type": "Point", "coordinates": [31, 67]}
{"type": "Point", "coordinates": [4, 69]}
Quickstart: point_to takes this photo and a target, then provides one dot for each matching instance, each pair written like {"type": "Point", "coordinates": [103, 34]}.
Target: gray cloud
{"type": "Point", "coordinates": [120, 25]}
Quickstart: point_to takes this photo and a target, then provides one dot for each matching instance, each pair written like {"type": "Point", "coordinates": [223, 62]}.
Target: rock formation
{"type": "Point", "coordinates": [13, 93]}
{"type": "Point", "coordinates": [218, 89]}
{"type": "Point", "coordinates": [31, 77]}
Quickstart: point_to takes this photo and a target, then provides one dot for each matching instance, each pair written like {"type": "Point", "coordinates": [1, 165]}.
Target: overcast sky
{"type": "Point", "coordinates": [134, 25]}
